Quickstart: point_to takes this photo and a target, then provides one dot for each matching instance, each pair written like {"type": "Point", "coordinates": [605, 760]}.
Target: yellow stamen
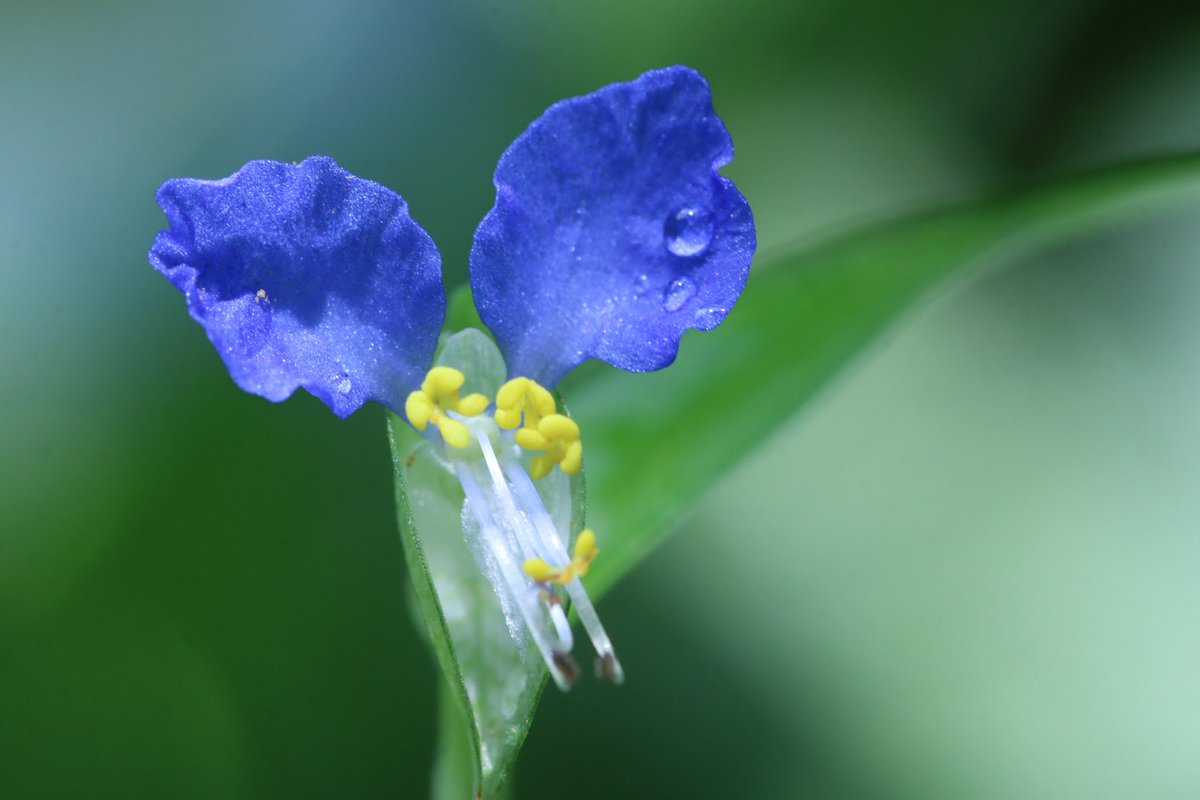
{"type": "Point", "coordinates": [418, 408]}
{"type": "Point", "coordinates": [442, 381]}
{"type": "Point", "coordinates": [540, 571]}
{"type": "Point", "coordinates": [439, 394]}
{"type": "Point", "coordinates": [472, 405]}
{"type": "Point", "coordinates": [453, 431]}
{"type": "Point", "coordinates": [558, 436]}
{"type": "Point", "coordinates": [522, 396]}
{"type": "Point", "coordinates": [531, 439]}
{"type": "Point", "coordinates": [572, 458]}
{"type": "Point", "coordinates": [585, 552]}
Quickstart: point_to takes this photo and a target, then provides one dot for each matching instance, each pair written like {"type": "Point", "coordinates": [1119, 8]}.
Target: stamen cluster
{"type": "Point", "coordinates": [522, 550]}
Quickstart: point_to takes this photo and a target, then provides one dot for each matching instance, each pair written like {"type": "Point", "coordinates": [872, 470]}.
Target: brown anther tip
{"type": "Point", "coordinates": [606, 668]}
{"type": "Point", "coordinates": [550, 598]}
{"type": "Point", "coordinates": [566, 665]}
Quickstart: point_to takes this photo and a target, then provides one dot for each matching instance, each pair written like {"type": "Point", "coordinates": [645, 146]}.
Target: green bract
{"type": "Point", "coordinates": [495, 682]}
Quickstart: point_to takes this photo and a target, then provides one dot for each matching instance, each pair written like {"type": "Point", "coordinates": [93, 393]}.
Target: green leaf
{"type": "Point", "coordinates": [492, 683]}
{"type": "Point", "coordinates": [656, 442]}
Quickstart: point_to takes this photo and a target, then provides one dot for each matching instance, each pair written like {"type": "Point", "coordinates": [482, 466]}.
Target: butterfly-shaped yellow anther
{"type": "Point", "coordinates": [558, 436]}
{"type": "Point", "coordinates": [522, 396]}
{"type": "Point", "coordinates": [439, 394]}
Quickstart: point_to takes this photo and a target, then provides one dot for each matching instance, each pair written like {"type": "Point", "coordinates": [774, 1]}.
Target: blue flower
{"type": "Point", "coordinates": [612, 234]}
{"type": "Point", "coordinates": [304, 275]}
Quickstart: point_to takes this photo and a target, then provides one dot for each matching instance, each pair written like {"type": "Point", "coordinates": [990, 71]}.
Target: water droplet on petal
{"type": "Point", "coordinates": [641, 285]}
{"type": "Point", "coordinates": [341, 383]}
{"type": "Point", "coordinates": [678, 293]}
{"type": "Point", "coordinates": [688, 231]}
{"type": "Point", "coordinates": [707, 318]}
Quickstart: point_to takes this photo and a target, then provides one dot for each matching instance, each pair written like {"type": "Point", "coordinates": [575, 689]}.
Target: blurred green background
{"type": "Point", "coordinates": [968, 571]}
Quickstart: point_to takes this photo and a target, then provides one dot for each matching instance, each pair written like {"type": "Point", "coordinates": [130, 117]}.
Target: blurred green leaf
{"type": "Point", "coordinates": [804, 316]}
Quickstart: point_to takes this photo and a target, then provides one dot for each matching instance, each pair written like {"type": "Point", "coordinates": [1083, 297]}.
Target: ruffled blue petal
{"type": "Point", "coordinates": [306, 276]}
{"type": "Point", "coordinates": [612, 232]}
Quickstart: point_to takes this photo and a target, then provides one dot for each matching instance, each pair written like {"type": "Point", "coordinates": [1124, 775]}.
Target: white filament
{"type": "Point", "coordinates": [514, 526]}
{"type": "Point", "coordinates": [523, 486]}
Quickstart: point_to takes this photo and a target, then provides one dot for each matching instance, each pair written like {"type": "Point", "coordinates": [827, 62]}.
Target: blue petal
{"type": "Point", "coordinates": [612, 232]}
{"type": "Point", "coordinates": [304, 275]}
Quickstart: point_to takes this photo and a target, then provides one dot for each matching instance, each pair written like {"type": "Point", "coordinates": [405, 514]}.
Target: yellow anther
{"type": "Point", "coordinates": [522, 396]}
{"type": "Point", "coordinates": [472, 404]}
{"type": "Point", "coordinates": [453, 431]}
{"type": "Point", "coordinates": [442, 381]}
{"type": "Point", "coordinates": [572, 458]}
{"type": "Point", "coordinates": [558, 436]}
{"type": "Point", "coordinates": [557, 426]}
{"type": "Point", "coordinates": [585, 552]}
{"type": "Point", "coordinates": [540, 467]}
{"type": "Point", "coordinates": [532, 439]}
{"type": "Point", "coordinates": [585, 548]}
{"type": "Point", "coordinates": [439, 394]}
{"type": "Point", "coordinates": [418, 408]}
{"type": "Point", "coordinates": [540, 571]}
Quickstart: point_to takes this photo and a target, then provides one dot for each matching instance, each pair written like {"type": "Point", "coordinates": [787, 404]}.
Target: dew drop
{"type": "Point", "coordinates": [678, 293]}
{"type": "Point", "coordinates": [341, 383]}
{"type": "Point", "coordinates": [641, 285]}
{"type": "Point", "coordinates": [688, 231]}
{"type": "Point", "coordinates": [707, 318]}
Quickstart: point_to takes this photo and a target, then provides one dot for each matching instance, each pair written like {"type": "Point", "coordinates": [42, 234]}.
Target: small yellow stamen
{"type": "Point", "coordinates": [419, 409]}
{"type": "Point", "coordinates": [453, 431]}
{"type": "Point", "coordinates": [585, 552]}
{"type": "Point", "coordinates": [522, 396]}
{"type": "Point", "coordinates": [472, 405]}
{"type": "Point", "coordinates": [442, 381]}
{"type": "Point", "coordinates": [540, 571]}
{"type": "Point", "coordinates": [439, 394]}
{"type": "Point", "coordinates": [558, 436]}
